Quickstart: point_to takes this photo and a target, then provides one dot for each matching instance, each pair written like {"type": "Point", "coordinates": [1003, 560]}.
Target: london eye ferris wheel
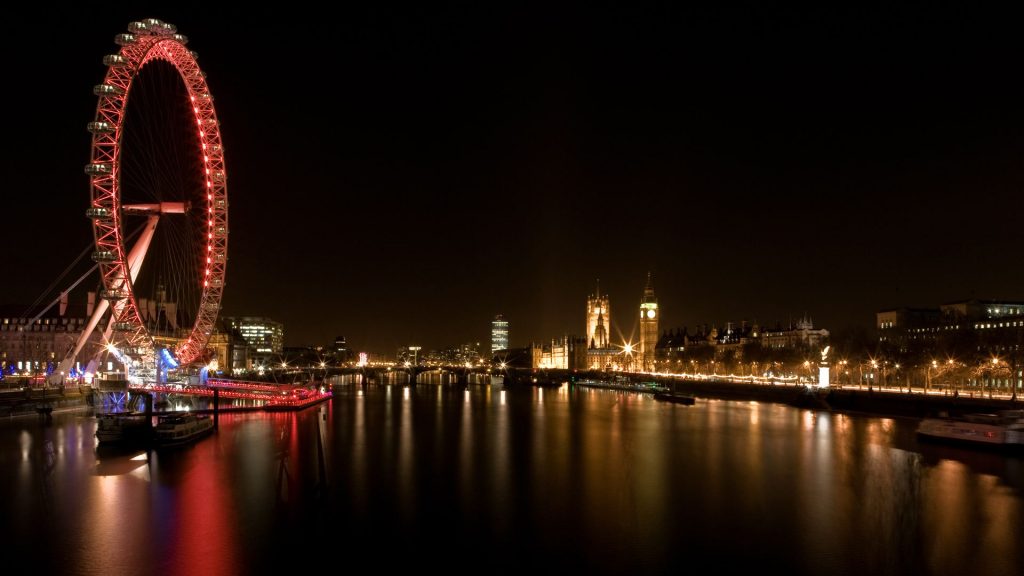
{"type": "Point", "coordinates": [158, 203]}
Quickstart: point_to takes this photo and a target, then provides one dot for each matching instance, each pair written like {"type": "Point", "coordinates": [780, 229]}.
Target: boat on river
{"type": "Point", "coordinates": [123, 428]}
{"type": "Point", "coordinates": [622, 384]}
{"type": "Point", "coordinates": [1003, 429]}
{"type": "Point", "coordinates": [181, 428]}
{"type": "Point", "coordinates": [684, 399]}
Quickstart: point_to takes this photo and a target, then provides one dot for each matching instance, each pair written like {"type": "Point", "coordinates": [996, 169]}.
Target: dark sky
{"type": "Point", "coordinates": [399, 175]}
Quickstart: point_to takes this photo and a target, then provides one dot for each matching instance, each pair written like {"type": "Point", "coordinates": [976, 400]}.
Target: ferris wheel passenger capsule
{"type": "Point", "coordinates": [114, 60]}
{"type": "Point", "coordinates": [124, 39]}
{"type": "Point", "coordinates": [97, 169]}
{"type": "Point", "coordinates": [99, 127]}
{"type": "Point", "coordinates": [113, 294]}
{"type": "Point", "coordinates": [106, 90]}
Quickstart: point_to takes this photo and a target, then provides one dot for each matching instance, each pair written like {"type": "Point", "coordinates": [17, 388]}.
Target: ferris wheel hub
{"type": "Point", "coordinates": [157, 208]}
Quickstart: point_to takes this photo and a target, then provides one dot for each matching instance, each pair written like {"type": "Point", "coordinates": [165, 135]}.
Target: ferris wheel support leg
{"type": "Point", "coordinates": [65, 366]}
{"type": "Point", "coordinates": [135, 258]}
{"type": "Point", "coordinates": [138, 253]}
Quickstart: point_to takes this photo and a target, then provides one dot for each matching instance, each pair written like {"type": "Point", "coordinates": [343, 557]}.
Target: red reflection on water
{"type": "Point", "coordinates": [202, 537]}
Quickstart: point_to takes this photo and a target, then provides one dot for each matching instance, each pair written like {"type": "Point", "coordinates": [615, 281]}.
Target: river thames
{"type": "Point", "coordinates": [486, 480]}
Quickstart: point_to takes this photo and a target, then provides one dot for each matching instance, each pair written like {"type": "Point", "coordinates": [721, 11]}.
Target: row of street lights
{"type": "Point", "coordinates": [874, 372]}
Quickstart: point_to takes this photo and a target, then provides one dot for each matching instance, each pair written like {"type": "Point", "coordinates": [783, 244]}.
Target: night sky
{"type": "Point", "coordinates": [400, 175]}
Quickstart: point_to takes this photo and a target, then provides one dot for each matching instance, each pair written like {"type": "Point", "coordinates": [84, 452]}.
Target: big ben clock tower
{"type": "Point", "coordinates": [648, 326]}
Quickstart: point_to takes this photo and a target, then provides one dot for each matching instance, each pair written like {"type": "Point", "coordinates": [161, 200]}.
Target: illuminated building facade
{"type": "Point", "coordinates": [801, 336]}
{"type": "Point", "coordinates": [468, 353]}
{"type": "Point", "coordinates": [601, 354]}
{"type": "Point", "coordinates": [737, 347]}
{"type": "Point", "coordinates": [985, 326]}
{"type": "Point", "coordinates": [599, 314]}
{"type": "Point", "coordinates": [991, 320]}
{"type": "Point", "coordinates": [342, 353]}
{"type": "Point", "coordinates": [499, 334]}
{"type": "Point", "coordinates": [649, 316]}
{"type": "Point", "coordinates": [229, 352]}
{"type": "Point", "coordinates": [34, 346]}
{"type": "Point", "coordinates": [975, 342]}
{"type": "Point", "coordinates": [566, 353]}
{"type": "Point", "coordinates": [264, 336]}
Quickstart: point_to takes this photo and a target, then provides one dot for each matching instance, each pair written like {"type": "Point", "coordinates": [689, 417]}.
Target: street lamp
{"type": "Point", "coordinates": [627, 350]}
{"type": "Point", "coordinates": [996, 361]}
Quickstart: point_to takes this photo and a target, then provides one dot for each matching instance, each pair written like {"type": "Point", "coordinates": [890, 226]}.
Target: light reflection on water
{"type": "Point", "coordinates": [529, 479]}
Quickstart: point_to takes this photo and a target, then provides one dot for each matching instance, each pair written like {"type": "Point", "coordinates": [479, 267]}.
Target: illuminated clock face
{"type": "Point", "coordinates": [650, 313]}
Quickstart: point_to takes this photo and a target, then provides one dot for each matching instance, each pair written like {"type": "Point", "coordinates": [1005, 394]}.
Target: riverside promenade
{"type": "Point", "coordinates": [873, 400]}
{"type": "Point", "coordinates": [18, 401]}
{"type": "Point", "coordinates": [884, 401]}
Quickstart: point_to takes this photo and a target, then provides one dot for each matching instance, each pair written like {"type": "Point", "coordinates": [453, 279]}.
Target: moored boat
{"type": "Point", "coordinates": [181, 428]}
{"type": "Point", "coordinates": [123, 428]}
{"type": "Point", "coordinates": [621, 384]}
{"type": "Point", "coordinates": [1004, 429]}
{"type": "Point", "coordinates": [675, 398]}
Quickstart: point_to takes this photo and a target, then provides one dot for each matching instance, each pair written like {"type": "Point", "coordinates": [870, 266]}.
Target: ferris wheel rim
{"type": "Point", "coordinates": [147, 41]}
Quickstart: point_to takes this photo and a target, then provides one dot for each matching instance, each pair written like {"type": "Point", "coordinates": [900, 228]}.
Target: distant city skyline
{"type": "Point", "coordinates": [762, 163]}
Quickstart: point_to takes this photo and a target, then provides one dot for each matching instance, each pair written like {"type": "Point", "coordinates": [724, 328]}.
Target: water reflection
{"type": "Point", "coordinates": [566, 480]}
{"type": "Point", "coordinates": [281, 455]}
{"type": "Point", "coordinates": [117, 461]}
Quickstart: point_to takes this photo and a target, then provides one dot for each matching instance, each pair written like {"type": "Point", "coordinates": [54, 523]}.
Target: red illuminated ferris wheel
{"type": "Point", "coordinates": [159, 205]}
